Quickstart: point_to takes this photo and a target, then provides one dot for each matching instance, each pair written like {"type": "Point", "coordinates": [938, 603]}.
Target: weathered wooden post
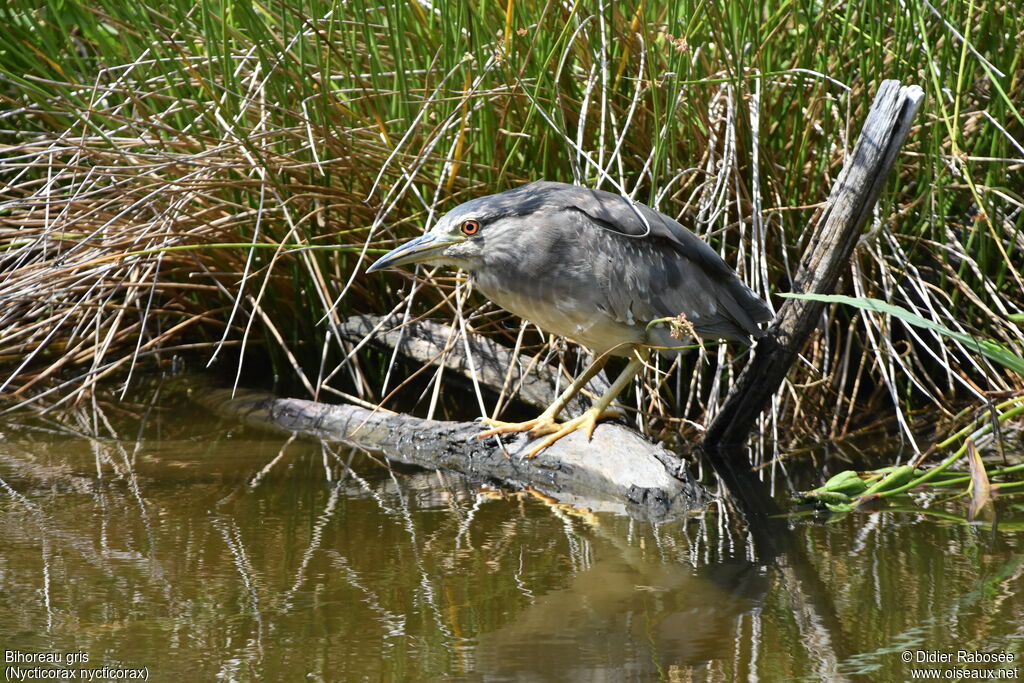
{"type": "Point", "coordinates": [848, 207]}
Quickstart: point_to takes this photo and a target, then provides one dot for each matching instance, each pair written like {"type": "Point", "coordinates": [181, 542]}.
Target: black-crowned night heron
{"type": "Point", "coordinates": [592, 266]}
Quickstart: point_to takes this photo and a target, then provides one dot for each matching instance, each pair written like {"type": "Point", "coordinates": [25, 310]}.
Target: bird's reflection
{"type": "Point", "coordinates": [637, 606]}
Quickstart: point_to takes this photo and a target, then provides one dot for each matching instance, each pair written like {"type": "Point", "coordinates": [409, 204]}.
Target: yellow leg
{"type": "Point", "coordinates": [545, 424]}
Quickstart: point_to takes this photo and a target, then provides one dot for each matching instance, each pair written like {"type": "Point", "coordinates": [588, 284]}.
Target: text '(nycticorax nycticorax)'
{"type": "Point", "coordinates": [592, 266]}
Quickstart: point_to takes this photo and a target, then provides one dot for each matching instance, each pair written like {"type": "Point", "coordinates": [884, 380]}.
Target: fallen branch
{"type": "Point", "coordinates": [425, 341]}
{"type": "Point", "coordinates": [617, 470]}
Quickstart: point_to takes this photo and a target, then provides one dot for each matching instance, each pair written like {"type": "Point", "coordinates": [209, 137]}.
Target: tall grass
{"type": "Point", "coordinates": [214, 177]}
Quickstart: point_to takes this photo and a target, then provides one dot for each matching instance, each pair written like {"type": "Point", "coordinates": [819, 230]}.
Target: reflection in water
{"type": "Point", "coordinates": [202, 551]}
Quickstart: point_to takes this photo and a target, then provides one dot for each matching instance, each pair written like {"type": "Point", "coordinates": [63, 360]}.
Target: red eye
{"type": "Point", "coordinates": [470, 227]}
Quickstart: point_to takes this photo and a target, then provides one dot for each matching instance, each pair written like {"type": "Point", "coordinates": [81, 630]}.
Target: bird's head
{"type": "Point", "coordinates": [471, 234]}
{"type": "Point", "coordinates": [454, 240]}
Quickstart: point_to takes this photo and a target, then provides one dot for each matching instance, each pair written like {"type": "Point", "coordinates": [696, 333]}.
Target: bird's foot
{"type": "Point", "coordinates": [535, 427]}
{"type": "Point", "coordinates": [545, 425]}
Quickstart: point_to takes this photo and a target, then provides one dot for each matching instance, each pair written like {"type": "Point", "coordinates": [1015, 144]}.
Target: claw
{"type": "Point", "coordinates": [535, 427]}
{"type": "Point", "coordinates": [545, 425]}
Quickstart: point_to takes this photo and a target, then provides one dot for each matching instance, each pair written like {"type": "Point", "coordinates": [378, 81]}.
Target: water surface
{"type": "Point", "coordinates": [166, 540]}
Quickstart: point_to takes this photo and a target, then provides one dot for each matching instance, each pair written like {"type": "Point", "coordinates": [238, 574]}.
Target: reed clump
{"type": "Point", "coordinates": [212, 178]}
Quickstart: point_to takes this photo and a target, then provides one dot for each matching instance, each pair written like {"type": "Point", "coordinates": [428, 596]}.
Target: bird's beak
{"type": "Point", "coordinates": [424, 248]}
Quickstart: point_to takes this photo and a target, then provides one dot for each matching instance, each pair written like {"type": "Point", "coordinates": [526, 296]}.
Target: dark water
{"type": "Point", "coordinates": [195, 550]}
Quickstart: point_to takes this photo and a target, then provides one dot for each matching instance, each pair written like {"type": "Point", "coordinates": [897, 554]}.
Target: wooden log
{"type": "Point", "coordinates": [495, 366]}
{"type": "Point", "coordinates": [617, 470]}
{"type": "Point", "coordinates": [849, 205]}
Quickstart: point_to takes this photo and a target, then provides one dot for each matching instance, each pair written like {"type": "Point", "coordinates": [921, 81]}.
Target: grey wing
{"type": "Point", "coordinates": [648, 280]}
{"type": "Point", "coordinates": [667, 270]}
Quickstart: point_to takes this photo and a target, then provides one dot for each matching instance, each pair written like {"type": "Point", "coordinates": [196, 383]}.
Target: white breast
{"type": "Point", "coordinates": [594, 329]}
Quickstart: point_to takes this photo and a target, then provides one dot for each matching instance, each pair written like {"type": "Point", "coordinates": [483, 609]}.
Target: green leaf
{"type": "Point", "coordinates": [985, 347]}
